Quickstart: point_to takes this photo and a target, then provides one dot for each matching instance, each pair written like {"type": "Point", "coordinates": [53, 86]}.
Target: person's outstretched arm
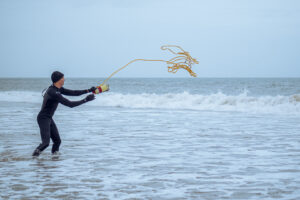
{"type": "Point", "coordinates": [72, 104]}
{"type": "Point", "coordinates": [75, 92]}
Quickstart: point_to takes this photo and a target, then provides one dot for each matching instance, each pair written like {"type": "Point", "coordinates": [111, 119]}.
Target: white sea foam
{"type": "Point", "coordinates": [212, 102]}
{"type": "Point", "coordinates": [21, 96]}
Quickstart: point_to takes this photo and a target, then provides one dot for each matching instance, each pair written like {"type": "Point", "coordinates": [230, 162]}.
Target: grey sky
{"type": "Point", "coordinates": [232, 38]}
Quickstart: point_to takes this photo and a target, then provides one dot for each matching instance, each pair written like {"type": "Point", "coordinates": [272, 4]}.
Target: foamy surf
{"type": "Point", "coordinates": [148, 139]}
{"type": "Point", "coordinates": [212, 102]}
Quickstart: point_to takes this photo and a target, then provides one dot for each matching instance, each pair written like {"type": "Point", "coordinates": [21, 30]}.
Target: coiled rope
{"type": "Point", "coordinates": [183, 60]}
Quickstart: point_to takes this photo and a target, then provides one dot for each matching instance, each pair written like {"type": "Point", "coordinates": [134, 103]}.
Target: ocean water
{"type": "Point", "coordinates": [178, 138]}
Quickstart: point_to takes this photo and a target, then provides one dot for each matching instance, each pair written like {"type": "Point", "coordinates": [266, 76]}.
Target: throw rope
{"type": "Point", "coordinates": [182, 60]}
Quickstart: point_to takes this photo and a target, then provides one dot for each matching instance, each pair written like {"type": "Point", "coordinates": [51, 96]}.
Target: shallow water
{"type": "Point", "coordinates": [148, 152]}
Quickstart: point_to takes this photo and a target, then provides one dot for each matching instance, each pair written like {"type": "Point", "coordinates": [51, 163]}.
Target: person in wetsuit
{"type": "Point", "coordinates": [52, 97]}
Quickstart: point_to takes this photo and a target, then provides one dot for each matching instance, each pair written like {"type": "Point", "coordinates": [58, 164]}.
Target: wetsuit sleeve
{"type": "Point", "coordinates": [72, 92]}
{"type": "Point", "coordinates": [67, 102]}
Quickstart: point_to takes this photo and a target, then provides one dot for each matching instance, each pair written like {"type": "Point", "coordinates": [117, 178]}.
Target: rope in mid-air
{"type": "Point", "coordinates": [183, 60]}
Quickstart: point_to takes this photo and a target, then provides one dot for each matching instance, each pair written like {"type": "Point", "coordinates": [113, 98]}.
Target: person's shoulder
{"type": "Point", "coordinates": [53, 91]}
{"type": "Point", "coordinates": [62, 89]}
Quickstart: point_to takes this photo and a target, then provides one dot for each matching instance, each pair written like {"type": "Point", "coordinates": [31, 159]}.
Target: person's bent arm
{"type": "Point", "coordinates": [69, 103]}
{"type": "Point", "coordinates": [72, 104]}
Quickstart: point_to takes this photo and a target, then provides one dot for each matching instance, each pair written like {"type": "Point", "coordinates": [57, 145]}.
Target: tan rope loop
{"type": "Point", "coordinates": [183, 60]}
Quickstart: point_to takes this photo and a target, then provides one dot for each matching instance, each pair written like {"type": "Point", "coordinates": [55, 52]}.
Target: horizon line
{"type": "Point", "coordinates": [12, 77]}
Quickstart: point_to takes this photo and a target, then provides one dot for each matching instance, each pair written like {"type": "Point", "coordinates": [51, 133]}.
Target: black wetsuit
{"type": "Point", "coordinates": [48, 129]}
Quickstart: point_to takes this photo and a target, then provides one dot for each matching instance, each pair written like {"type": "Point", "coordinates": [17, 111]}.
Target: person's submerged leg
{"type": "Point", "coordinates": [44, 124]}
{"type": "Point", "coordinates": [54, 134]}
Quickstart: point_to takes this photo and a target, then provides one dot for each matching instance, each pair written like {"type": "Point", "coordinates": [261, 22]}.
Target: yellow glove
{"type": "Point", "coordinates": [101, 88]}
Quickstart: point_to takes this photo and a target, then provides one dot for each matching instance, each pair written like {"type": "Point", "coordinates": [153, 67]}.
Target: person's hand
{"type": "Point", "coordinates": [92, 89]}
{"type": "Point", "coordinates": [89, 97]}
{"type": "Point", "coordinates": [102, 88]}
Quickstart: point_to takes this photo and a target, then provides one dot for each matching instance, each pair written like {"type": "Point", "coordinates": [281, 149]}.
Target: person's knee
{"type": "Point", "coordinates": [57, 142]}
{"type": "Point", "coordinates": [45, 144]}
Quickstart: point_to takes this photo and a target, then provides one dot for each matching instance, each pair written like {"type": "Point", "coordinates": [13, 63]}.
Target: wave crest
{"type": "Point", "coordinates": [210, 102]}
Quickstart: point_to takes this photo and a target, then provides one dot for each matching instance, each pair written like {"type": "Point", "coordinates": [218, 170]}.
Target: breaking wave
{"type": "Point", "coordinates": [209, 102]}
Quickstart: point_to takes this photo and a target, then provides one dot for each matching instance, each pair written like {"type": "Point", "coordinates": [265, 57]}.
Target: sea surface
{"type": "Point", "coordinates": [156, 138]}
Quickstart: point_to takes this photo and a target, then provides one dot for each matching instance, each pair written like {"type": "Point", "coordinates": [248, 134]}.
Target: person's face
{"type": "Point", "coordinates": [61, 81]}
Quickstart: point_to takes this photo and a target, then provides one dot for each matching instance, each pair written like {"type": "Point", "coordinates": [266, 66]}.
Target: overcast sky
{"type": "Point", "coordinates": [92, 38]}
